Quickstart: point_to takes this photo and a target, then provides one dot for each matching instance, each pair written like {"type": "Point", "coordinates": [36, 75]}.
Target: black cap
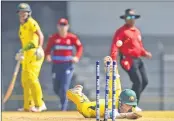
{"type": "Point", "coordinates": [130, 12]}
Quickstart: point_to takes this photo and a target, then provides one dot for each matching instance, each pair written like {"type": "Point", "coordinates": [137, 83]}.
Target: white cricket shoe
{"type": "Point", "coordinates": [32, 109]}
{"type": "Point", "coordinates": [77, 89]}
{"type": "Point", "coordinates": [21, 109]}
{"type": "Point", "coordinates": [42, 108]}
{"type": "Point", "coordinates": [138, 109]}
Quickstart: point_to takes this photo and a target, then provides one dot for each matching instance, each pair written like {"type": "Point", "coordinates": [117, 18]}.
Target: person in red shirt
{"type": "Point", "coordinates": [59, 51]}
{"type": "Point", "coordinates": [127, 42]}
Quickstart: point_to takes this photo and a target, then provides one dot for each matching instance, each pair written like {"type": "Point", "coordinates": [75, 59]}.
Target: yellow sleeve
{"type": "Point", "coordinates": [34, 26]}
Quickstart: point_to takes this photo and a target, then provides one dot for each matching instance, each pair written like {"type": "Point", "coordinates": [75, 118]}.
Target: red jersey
{"type": "Point", "coordinates": [61, 49]}
{"type": "Point", "coordinates": [132, 43]}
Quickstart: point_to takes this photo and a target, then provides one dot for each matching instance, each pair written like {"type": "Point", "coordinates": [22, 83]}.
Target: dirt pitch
{"type": "Point", "coordinates": [75, 116]}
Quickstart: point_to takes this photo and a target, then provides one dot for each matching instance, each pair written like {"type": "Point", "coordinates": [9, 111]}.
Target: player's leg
{"type": "Point", "coordinates": [81, 101]}
{"type": "Point", "coordinates": [65, 83]}
{"type": "Point", "coordinates": [89, 108]}
{"type": "Point", "coordinates": [27, 95]}
{"type": "Point", "coordinates": [33, 68]}
{"type": "Point", "coordinates": [76, 96]}
{"type": "Point", "coordinates": [56, 78]}
{"type": "Point", "coordinates": [135, 77]}
{"type": "Point", "coordinates": [35, 85]}
{"type": "Point", "coordinates": [144, 75]}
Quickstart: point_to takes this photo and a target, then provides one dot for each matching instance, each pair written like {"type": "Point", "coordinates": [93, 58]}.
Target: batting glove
{"type": "Point", "coordinates": [133, 115]}
{"type": "Point", "coordinates": [19, 55]}
{"type": "Point", "coordinates": [39, 53]}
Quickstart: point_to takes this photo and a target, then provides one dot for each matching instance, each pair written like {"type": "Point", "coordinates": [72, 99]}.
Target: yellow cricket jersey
{"type": "Point", "coordinates": [27, 32]}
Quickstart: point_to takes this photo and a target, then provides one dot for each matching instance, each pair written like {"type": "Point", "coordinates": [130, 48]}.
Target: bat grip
{"type": "Point", "coordinates": [17, 68]}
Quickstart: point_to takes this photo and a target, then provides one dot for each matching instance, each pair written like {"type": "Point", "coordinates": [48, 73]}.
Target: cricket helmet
{"type": "Point", "coordinates": [24, 7]}
{"type": "Point", "coordinates": [128, 97]}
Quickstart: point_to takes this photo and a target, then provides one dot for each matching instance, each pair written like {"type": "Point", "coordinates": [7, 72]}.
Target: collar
{"type": "Point", "coordinates": [131, 28]}
{"type": "Point", "coordinates": [26, 20]}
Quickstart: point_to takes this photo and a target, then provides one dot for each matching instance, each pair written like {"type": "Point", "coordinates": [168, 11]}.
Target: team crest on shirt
{"type": "Point", "coordinates": [24, 27]}
{"type": "Point", "coordinates": [68, 41]}
{"type": "Point", "coordinates": [58, 40]}
{"type": "Point", "coordinates": [139, 37]}
{"type": "Point", "coordinates": [131, 98]}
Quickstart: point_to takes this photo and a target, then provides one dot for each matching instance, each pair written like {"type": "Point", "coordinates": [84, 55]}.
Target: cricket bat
{"type": "Point", "coordinates": [11, 86]}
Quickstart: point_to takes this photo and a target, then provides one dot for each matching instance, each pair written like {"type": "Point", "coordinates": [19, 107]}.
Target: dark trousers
{"type": "Point", "coordinates": [138, 76]}
{"type": "Point", "coordinates": [62, 76]}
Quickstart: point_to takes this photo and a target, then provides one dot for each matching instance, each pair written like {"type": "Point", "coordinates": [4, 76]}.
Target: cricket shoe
{"type": "Point", "coordinates": [32, 109]}
{"type": "Point", "coordinates": [41, 109]}
{"type": "Point", "coordinates": [22, 110]}
{"type": "Point", "coordinates": [75, 94]}
{"type": "Point", "coordinates": [138, 109]}
{"type": "Point", "coordinates": [77, 89]}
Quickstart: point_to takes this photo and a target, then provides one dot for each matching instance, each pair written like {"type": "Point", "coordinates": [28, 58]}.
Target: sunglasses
{"type": "Point", "coordinates": [62, 24]}
{"type": "Point", "coordinates": [130, 17]}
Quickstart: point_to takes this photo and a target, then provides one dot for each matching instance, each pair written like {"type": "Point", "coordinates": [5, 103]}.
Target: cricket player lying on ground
{"type": "Point", "coordinates": [126, 108]}
{"type": "Point", "coordinates": [126, 102]}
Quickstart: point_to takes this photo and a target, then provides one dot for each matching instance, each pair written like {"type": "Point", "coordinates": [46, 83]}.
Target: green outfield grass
{"type": "Point", "coordinates": [75, 116]}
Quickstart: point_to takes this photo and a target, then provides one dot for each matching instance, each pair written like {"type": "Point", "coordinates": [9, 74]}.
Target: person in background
{"type": "Point", "coordinates": [127, 42]}
{"type": "Point", "coordinates": [59, 51]}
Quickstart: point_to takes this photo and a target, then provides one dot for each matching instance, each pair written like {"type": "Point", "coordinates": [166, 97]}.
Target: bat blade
{"type": "Point", "coordinates": [11, 86]}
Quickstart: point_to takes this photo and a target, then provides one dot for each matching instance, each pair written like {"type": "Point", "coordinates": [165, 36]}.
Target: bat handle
{"type": "Point", "coordinates": [17, 68]}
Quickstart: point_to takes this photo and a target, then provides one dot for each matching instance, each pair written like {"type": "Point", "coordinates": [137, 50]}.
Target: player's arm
{"type": "Point", "coordinates": [41, 37]}
{"type": "Point", "coordinates": [116, 43]}
{"type": "Point", "coordinates": [129, 115]}
{"type": "Point", "coordinates": [79, 49]}
{"type": "Point", "coordinates": [144, 52]}
{"type": "Point", "coordinates": [36, 30]}
{"type": "Point", "coordinates": [48, 49]}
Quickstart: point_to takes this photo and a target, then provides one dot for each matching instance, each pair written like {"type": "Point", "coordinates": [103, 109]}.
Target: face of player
{"type": "Point", "coordinates": [130, 21]}
{"type": "Point", "coordinates": [124, 108]}
{"type": "Point", "coordinates": [63, 29]}
{"type": "Point", "coordinates": [23, 15]}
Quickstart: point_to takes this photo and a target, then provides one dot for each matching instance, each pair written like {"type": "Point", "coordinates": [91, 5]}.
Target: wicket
{"type": "Point", "coordinates": [108, 66]}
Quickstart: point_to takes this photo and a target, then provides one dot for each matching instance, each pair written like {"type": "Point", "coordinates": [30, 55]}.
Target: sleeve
{"type": "Point", "coordinates": [79, 47]}
{"type": "Point", "coordinates": [49, 46]}
{"type": "Point", "coordinates": [35, 26]}
{"type": "Point", "coordinates": [143, 50]}
{"type": "Point", "coordinates": [114, 49]}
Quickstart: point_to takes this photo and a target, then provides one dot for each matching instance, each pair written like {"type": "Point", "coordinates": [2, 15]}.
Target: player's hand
{"type": "Point", "coordinates": [107, 59]}
{"type": "Point", "coordinates": [148, 55]}
{"type": "Point", "coordinates": [75, 59]}
{"type": "Point", "coordinates": [48, 58]}
{"type": "Point", "coordinates": [39, 53]}
{"type": "Point", "coordinates": [19, 56]}
{"type": "Point", "coordinates": [133, 115]}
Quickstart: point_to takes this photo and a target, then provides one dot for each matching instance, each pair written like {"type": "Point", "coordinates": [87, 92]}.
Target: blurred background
{"type": "Point", "coordinates": [95, 24]}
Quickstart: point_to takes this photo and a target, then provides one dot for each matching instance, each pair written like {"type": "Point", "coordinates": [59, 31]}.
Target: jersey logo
{"type": "Point", "coordinates": [24, 27]}
{"type": "Point", "coordinates": [23, 6]}
{"type": "Point", "coordinates": [58, 40]}
{"type": "Point", "coordinates": [68, 41]}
